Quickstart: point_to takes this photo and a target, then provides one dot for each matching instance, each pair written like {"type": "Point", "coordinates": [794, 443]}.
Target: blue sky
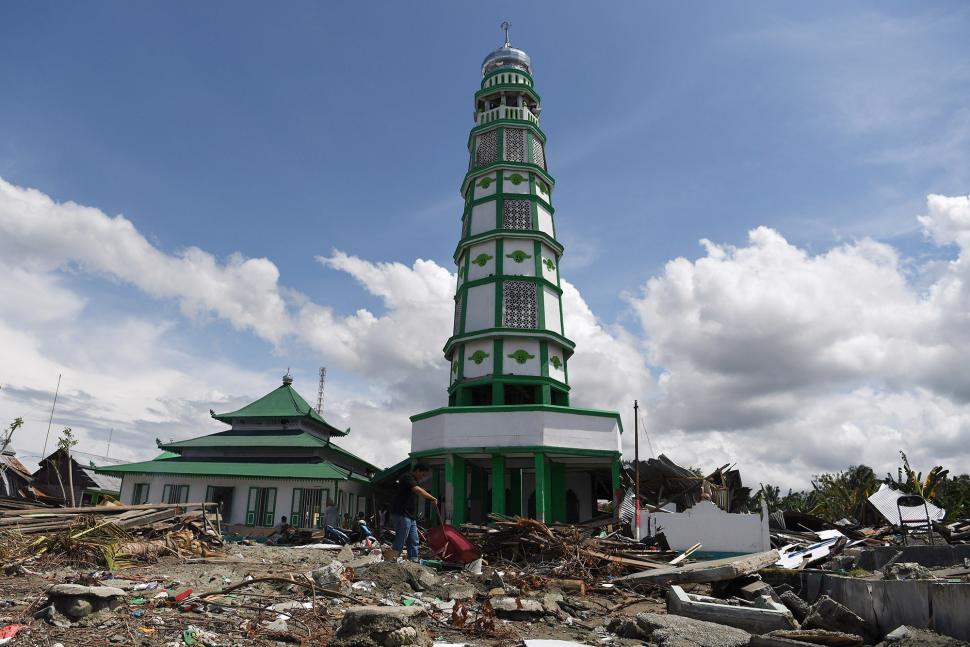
{"type": "Point", "coordinates": [289, 131]}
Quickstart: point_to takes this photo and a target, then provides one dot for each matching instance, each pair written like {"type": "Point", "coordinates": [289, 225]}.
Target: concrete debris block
{"type": "Point", "coordinates": [328, 575]}
{"type": "Point", "coordinates": [828, 614]}
{"type": "Point", "coordinates": [364, 560]}
{"type": "Point", "coordinates": [678, 631]}
{"type": "Point", "coordinates": [458, 591]}
{"type": "Point", "coordinates": [421, 578]}
{"type": "Point", "coordinates": [511, 608]}
{"type": "Point", "coordinates": [776, 641]}
{"type": "Point", "coordinates": [756, 589]}
{"type": "Point", "coordinates": [716, 570]}
{"type": "Point", "coordinates": [277, 626]}
{"type": "Point", "coordinates": [820, 637]}
{"type": "Point", "coordinates": [797, 606]}
{"type": "Point", "coordinates": [766, 615]}
{"type": "Point", "coordinates": [550, 602]}
{"type": "Point", "coordinates": [907, 571]}
{"type": "Point", "coordinates": [371, 626]}
{"type": "Point", "coordinates": [345, 554]}
{"type": "Point", "coordinates": [912, 637]}
{"type": "Point", "coordinates": [76, 601]}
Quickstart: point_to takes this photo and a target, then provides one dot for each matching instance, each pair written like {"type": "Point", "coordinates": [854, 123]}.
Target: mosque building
{"type": "Point", "coordinates": [509, 440]}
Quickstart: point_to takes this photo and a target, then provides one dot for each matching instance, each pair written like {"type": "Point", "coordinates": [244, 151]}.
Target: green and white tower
{"type": "Point", "coordinates": [509, 441]}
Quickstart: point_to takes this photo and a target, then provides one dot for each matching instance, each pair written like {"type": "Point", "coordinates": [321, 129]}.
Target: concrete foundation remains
{"type": "Point", "coordinates": [763, 616]}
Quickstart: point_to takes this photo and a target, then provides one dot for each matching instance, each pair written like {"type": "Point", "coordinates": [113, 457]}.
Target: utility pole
{"type": "Point", "coordinates": [636, 472]}
{"type": "Point", "coordinates": [43, 454]}
{"type": "Point", "coordinates": [107, 452]}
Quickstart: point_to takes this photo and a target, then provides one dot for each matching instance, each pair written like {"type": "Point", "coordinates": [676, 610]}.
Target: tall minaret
{"type": "Point", "coordinates": [509, 441]}
{"type": "Point", "coordinates": [508, 345]}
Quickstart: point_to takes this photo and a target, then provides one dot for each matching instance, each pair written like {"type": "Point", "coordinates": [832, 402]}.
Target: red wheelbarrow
{"type": "Point", "coordinates": [449, 544]}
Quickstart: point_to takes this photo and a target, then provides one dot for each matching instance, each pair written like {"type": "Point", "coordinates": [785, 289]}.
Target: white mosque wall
{"type": "Point", "coordinates": [529, 364]}
{"type": "Point", "coordinates": [480, 308]}
{"type": "Point", "coordinates": [550, 306]}
{"type": "Point", "coordinates": [198, 487]}
{"type": "Point", "coordinates": [555, 350]}
{"type": "Point", "coordinates": [509, 186]}
{"type": "Point", "coordinates": [522, 248]}
{"type": "Point", "coordinates": [547, 273]}
{"type": "Point", "coordinates": [483, 218]}
{"type": "Point", "coordinates": [482, 368]}
{"type": "Point", "coordinates": [482, 262]}
{"type": "Point", "coordinates": [545, 221]}
{"type": "Point", "coordinates": [484, 192]}
{"type": "Point", "coordinates": [489, 428]}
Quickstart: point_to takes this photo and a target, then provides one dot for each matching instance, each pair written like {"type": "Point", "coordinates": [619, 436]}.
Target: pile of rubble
{"type": "Point", "coordinates": [106, 536]}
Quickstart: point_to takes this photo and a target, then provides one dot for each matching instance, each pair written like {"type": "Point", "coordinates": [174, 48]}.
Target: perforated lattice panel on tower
{"type": "Point", "coordinates": [538, 156]}
{"type": "Point", "coordinates": [515, 145]}
{"type": "Point", "coordinates": [486, 148]}
{"type": "Point", "coordinates": [517, 214]}
{"type": "Point", "coordinates": [519, 308]}
{"type": "Point", "coordinates": [457, 327]}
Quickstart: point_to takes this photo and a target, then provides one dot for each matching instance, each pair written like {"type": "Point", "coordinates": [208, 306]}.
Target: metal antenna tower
{"type": "Point", "coordinates": [323, 381]}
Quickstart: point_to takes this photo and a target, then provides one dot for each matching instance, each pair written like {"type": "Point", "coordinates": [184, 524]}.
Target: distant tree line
{"type": "Point", "coordinates": [840, 495]}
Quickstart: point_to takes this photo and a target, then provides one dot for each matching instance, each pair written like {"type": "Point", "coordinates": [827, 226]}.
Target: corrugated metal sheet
{"type": "Point", "coordinates": [103, 481]}
{"type": "Point", "coordinates": [884, 500]}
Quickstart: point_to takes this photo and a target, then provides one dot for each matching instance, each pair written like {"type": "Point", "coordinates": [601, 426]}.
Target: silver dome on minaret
{"type": "Point", "coordinates": [507, 56]}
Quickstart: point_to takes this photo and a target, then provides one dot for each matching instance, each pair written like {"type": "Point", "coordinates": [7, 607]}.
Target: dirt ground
{"type": "Point", "coordinates": [242, 617]}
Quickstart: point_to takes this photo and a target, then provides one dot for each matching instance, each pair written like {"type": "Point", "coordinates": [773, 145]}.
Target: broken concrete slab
{"type": "Point", "coordinates": [912, 637]}
{"type": "Point", "coordinates": [76, 601]}
{"type": "Point", "coordinates": [517, 608]}
{"type": "Point", "coordinates": [373, 626]}
{"type": "Point", "coordinates": [365, 560]}
{"type": "Point", "coordinates": [766, 616]}
{"type": "Point", "coordinates": [818, 637]}
{"type": "Point", "coordinates": [907, 571]}
{"type": "Point", "coordinates": [711, 571]}
{"type": "Point", "coordinates": [777, 641]}
{"type": "Point", "coordinates": [828, 614]}
{"type": "Point", "coordinates": [678, 631]}
{"type": "Point", "coordinates": [797, 606]}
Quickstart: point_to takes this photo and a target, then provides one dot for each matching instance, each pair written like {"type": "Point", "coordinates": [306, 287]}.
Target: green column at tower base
{"type": "Point", "coordinates": [557, 490]}
{"type": "Point", "coordinates": [455, 478]}
{"type": "Point", "coordinates": [543, 488]}
{"type": "Point", "coordinates": [515, 487]}
{"type": "Point", "coordinates": [498, 484]}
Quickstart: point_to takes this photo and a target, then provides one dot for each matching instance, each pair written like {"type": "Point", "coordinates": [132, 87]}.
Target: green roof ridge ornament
{"type": "Point", "coordinates": [478, 356]}
{"type": "Point", "coordinates": [481, 259]}
{"type": "Point", "coordinates": [521, 356]}
{"type": "Point", "coordinates": [518, 256]}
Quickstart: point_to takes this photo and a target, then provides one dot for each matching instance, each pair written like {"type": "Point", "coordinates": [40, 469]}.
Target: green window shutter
{"type": "Point", "coordinates": [167, 494]}
{"type": "Point", "coordinates": [270, 516]}
{"type": "Point", "coordinates": [296, 514]}
{"type": "Point", "coordinates": [251, 507]}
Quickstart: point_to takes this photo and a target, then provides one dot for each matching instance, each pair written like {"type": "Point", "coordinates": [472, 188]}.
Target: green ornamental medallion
{"type": "Point", "coordinates": [549, 264]}
{"type": "Point", "coordinates": [454, 367]}
{"type": "Point", "coordinates": [481, 259]}
{"type": "Point", "coordinates": [518, 256]}
{"type": "Point", "coordinates": [485, 182]}
{"type": "Point", "coordinates": [516, 179]}
{"type": "Point", "coordinates": [478, 356]}
{"type": "Point", "coordinates": [521, 356]}
{"type": "Point", "coordinates": [556, 362]}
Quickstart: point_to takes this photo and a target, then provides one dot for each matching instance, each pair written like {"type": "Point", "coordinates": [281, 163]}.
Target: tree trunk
{"type": "Point", "coordinates": [70, 477]}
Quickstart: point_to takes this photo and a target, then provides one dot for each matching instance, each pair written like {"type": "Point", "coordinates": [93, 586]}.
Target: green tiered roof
{"type": "Point", "coordinates": [282, 402]}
